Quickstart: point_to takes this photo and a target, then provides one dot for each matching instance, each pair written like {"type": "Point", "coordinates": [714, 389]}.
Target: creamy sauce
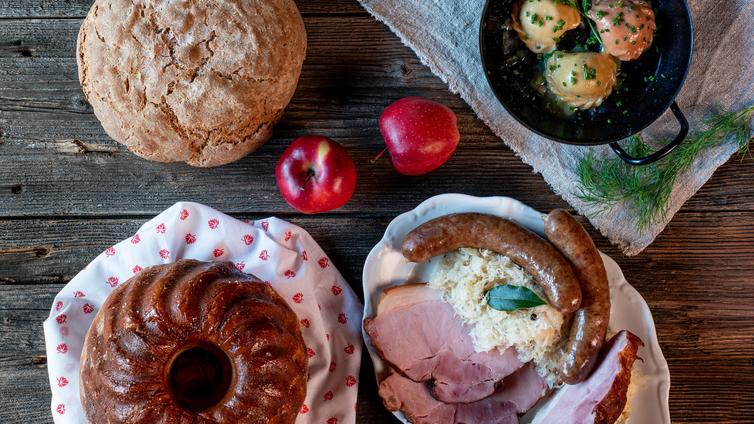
{"type": "Point", "coordinates": [583, 98]}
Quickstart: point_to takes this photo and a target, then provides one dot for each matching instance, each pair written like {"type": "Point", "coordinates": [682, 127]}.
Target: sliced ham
{"type": "Point", "coordinates": [420, 336]}
{"type": "Point", "coordinates": [524, 388]}
{"type": "Point", "coordinates": [519, 392]}
{"type": "Point", "coordinates": [399, 393]}
{"type": "Point", "coordinates": [601, 398]}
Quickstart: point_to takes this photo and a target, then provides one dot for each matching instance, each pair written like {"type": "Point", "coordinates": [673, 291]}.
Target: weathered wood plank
{"type": "Point", "coordinates": [41, 120]}
{"type": "Point", "coordinates": [137, 187]}
{"type": "Point", "coordinates": [54, 250]}
{"type": "Point", "coordinates": [55, 160]}
{"type": "Point", "coordinates": [708, 343]}
{"type": "Point", "coordinates": [703, 320]}
{"type": "Point", "coordinates": [26, 394]}
{"type": "Point", "coordinates": [355, 68]}
{"type": "Point", "coordinates": [703, 313]}
{"type": "Point", "coordinates": [21, 339]}
{"type": "Point", "coordinates": [79, 8]}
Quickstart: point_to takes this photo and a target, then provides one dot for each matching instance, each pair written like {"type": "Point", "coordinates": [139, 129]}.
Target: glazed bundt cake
{"type": "Point", "coordinates": [193, 342]}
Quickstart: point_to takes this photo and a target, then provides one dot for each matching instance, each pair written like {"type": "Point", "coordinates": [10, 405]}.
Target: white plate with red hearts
{"type": "Point", "coordinates": [385, 267]}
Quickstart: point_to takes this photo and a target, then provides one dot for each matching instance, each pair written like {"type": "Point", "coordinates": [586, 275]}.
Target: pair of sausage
{"type": "Point", "coordinates": [568, 268]}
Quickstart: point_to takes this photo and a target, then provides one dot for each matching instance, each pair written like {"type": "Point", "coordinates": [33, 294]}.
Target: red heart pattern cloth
{"type": "Point", "coordinates": [271, 249]}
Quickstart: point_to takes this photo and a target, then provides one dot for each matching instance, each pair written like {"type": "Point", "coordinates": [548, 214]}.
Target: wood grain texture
{"type": "Point", "coordinates": [705, 329]}
{"type": "Point", "coordinates": [53, 146]}
{"type": "Point", "coordinates": [79, 8]}
{"type": "Point", "coordinates": [24, 386]}
{"type": "Point", "coordinates": [51, 251]}
{"type": "Point", "coordinates": [67, 192]}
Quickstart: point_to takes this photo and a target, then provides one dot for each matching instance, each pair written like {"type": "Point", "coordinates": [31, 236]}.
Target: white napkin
{"type": "Point", "coordinates": [271, 249]}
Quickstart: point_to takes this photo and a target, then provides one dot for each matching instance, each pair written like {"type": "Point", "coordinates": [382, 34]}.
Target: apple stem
{"type": "Point", "coordinates": [380, 155]}
{"type": "Point", "coordinates": [308, 178]}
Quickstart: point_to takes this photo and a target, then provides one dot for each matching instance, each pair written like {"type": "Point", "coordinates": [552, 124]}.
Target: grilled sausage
{"type": "Point", "coordinates": [589, 325]}
{"type": "Point", "coordinates": [541, 259]}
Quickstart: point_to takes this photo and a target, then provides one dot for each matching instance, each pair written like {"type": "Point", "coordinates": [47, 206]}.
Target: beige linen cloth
{"type": "Point", "coordinates": [444, 34]}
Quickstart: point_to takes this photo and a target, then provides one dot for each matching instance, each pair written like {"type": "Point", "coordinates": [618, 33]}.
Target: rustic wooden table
{"type": "Point", "coordinates": [67, 192]}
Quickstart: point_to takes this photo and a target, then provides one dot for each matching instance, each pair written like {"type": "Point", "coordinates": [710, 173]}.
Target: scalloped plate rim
{"type": "Point", "coordinates": [657, 382]}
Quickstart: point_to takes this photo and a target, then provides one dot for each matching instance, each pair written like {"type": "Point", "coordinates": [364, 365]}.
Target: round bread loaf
{"type": "Point", "coordinates": [193, 342]}
{"type": "Point", "coordinates": [201, 82]}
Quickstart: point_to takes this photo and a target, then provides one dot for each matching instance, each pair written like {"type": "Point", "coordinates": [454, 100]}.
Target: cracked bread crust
{"type": "Point", "coordinates": [201, 82]}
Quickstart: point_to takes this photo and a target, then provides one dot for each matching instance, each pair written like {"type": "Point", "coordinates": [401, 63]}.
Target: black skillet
{"type": "Point", "coordinates": [649, 84]}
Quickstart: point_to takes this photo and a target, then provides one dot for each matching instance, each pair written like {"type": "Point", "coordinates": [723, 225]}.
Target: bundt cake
{"type": "Point", "coordinates": [193, 342]}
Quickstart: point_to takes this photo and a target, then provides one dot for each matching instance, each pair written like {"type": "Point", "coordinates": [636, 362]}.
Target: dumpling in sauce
{"type": "Point", "coordinates": [541, 23]}
{"type": "Point", "coordinates": [582, 80]}
{"type": "Point", "coordinates": [626, 27]}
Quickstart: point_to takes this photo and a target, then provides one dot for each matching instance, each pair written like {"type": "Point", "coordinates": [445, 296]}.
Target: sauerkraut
{"type": "Point", "coordinates": [465, 275]}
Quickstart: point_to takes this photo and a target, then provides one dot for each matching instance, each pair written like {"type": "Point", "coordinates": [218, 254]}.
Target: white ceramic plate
{"type": "Point", "coordinates": [385, 267]}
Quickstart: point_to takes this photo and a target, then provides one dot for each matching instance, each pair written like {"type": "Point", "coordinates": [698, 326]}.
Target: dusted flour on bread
{"type": "Point", "coordinates": [196, 82]}
{"type": "Point", "coordinates": [464, 276]}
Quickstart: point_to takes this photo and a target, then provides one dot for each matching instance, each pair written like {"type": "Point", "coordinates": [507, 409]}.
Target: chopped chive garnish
{"type": "Point", "coordinates": [558, 26]}
{"type": "Point", "coordinates": [589, 73]}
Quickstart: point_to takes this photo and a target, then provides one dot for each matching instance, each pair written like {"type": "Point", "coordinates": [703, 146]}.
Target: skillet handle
{"type": "Point", "coordinates": [663, 151]}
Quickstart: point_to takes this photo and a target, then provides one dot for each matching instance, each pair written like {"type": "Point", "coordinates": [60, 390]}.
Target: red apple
{"type": "Point", "coordinates": [420, 134]}
{"type": "Point", "coordinates": [316, 174]}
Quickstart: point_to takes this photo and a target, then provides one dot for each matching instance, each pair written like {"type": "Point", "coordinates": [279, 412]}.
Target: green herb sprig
{"type": "Point", "coordinates": [586, 5]}
{"type": "Point", "coordinates": [646, 189]}
{"type": "Point", "coordinates": [583, 8]}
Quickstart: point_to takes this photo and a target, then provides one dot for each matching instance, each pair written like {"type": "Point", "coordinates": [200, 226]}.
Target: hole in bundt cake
{"type": "Point", "coordinates": [199, 376]}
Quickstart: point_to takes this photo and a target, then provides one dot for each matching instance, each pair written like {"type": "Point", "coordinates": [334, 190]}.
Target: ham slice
{"type": "Point", "coordinates": [524, 388]}
{"type": "Point", "coordinates": [600, 398]}
{"type": "Point", "coordinates": [421, 337]}
{"type": "Point", "coordinates": [519, 392]}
